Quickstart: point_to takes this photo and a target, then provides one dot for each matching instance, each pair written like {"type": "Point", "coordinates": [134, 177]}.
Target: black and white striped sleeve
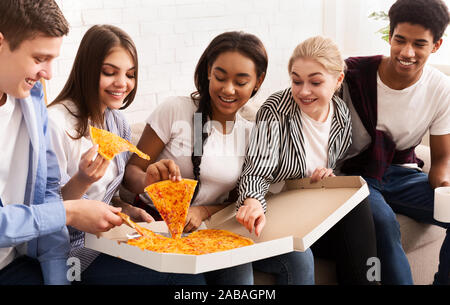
{"type": "Point", "coordinates": [261, 160]}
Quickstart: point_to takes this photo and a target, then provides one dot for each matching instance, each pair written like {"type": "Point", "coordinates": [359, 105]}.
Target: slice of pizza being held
{"type": "Point", "coordinates": [110, 144]}
{"type": "Point", "coordinates": [172, 200]}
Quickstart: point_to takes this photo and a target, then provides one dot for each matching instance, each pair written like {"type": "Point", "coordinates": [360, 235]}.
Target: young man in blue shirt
{"type": "Point", "coordinates": [34, 242]}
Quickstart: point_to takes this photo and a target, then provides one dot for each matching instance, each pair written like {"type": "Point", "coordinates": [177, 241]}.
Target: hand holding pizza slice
{"type": "Point", "coordinates": [110, 144]}
{"type": "Point", "coordinates": [141, 230]}
{"type": "Point", "coordinates": [172, 200]}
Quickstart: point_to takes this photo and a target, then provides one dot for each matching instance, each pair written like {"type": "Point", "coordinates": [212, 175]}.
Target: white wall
{"type": "Point", "coordinates": [347, 22]}
{"type": "Point", "coordinates": [170, 36]}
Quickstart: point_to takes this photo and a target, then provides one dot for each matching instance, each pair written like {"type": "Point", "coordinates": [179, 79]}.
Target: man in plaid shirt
{"type": "Point", "coordinates": [394, 101]}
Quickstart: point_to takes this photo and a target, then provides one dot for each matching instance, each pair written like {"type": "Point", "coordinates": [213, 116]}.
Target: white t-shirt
{"type": "Point", "coordinates": [223, 154]}
{"type": "Point", "coordinates": [69, 151]}
{"type": "Point", "coordinates": [406, 115]}
{"type": "Point", "coordinates": [15, 148]}
{"type": "Point", "coordinates": [316, 135]}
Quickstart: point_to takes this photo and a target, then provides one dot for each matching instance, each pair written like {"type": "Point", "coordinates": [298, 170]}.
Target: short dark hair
{"type": "Point", "coordinates": [82, 86]}
{"type": "Point", "coordinates": [24, 19]}
{"type": "Point", "coordinates": [433, 15]}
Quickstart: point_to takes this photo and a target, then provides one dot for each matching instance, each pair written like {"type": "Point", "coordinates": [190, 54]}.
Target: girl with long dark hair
{"type": "Point", "coordinates": [103, 81]}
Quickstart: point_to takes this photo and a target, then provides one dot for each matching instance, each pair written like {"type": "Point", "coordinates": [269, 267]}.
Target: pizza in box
{"type": "Point", "coordinates": [172, 199]}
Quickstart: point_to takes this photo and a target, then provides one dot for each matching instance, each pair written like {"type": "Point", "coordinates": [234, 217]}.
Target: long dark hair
{"type": "Point", "coordinates": [82, 87]}
{"type": "Point", "coordinates": [248, 45]}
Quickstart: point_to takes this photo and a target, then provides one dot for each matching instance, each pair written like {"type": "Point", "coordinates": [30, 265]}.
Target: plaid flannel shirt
{"type": "Point", "coordinates": [361, 78]}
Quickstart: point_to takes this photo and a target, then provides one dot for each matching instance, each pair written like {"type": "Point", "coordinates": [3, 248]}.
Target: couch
{"type": "Point", "coordinates": [421, 242]}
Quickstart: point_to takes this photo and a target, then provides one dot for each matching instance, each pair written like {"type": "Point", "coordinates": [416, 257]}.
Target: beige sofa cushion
{"type": "Point", "coordinates": [416, 235]}
{"type": "Point", "coordinates": [136, 132]}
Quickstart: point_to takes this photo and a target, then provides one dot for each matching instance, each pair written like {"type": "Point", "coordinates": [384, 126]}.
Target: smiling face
{"type": "Point", "coordinates": [411, 45]}
{"type": "Point", "coordinates": [313, 87]}
{"type": "Point", "coordinates": [117, 78]}
{"type": "Point", "coordinates": [23, 67]}
{"type": "Point", "coordinates": [232, 80]}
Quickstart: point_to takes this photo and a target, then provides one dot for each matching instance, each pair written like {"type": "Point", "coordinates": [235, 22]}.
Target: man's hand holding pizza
{"type": "Point", "coordinates": [91, 216]}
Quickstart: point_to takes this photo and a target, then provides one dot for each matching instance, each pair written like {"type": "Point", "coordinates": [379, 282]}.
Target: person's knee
{"type": "Point", "coordinates": [383, 216]}
{"type": "Point", "coordinates": [387, 227]}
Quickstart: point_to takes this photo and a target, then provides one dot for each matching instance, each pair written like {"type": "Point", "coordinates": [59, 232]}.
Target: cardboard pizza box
{"type": "Point", "coordinates": [296, 218]}
{"type": "Point", "coordinates": [113, 243]}
{"type": "Point", "coordinates": [302, 210]}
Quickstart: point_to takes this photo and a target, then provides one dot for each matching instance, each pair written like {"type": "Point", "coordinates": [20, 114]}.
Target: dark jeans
{"type": "Point", "coordinates": [108, 270]}
{"type": "Point", "coordinates": [293, 268]}
{"type": "Point", "coordinates": [22, 271]}
{"type": "Point", "coordinates": [237, 275]}
{"type": "Point", "coordinates": [351, 242]}
{"type": "Point", "coordinates": [408, 192]}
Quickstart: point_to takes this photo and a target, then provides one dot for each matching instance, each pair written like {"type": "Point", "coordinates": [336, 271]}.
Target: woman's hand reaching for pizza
{"type": "Point", "coordinates": [162, 170]}
{"type": "Point", "coordinates": [321, 173]}
{"type": "Point", "coordinates": [197, 214]}
{"type": "Point", "coordinates": [195, 217]}
{"type": "Point", "coordinates": [251, 215]}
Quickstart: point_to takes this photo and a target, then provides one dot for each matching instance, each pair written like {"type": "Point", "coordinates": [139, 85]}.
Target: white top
{"type": "Point", "coordinates": [15, 148]}
{"type": "Point", "coordinates": [223, 154]}
{"type": "Point", "coordinates": [407, 114]}
{"type": "Point", "coordinates": [69, 151]}
{"type": "Point", "coordinates": [316, 135]}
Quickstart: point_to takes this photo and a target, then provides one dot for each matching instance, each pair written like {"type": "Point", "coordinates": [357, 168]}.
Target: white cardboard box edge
{"type": "Point", "coordinates": [180, 263]}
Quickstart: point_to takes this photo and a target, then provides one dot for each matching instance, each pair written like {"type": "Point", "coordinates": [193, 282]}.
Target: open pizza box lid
{"type": "Point", "coordinates": [295, 219]}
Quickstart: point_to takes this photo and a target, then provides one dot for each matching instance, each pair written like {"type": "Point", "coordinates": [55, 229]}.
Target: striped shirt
{"type": "Point", "coordinates": [115, 123]}
{"type": "Point", "coordinates": [277, 151]}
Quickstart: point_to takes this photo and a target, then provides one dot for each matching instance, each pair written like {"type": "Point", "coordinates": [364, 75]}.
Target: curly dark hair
{"type": "Point", "coordinates": [248, 45]}
{"type": "Point", "coordinates": [431, 14]}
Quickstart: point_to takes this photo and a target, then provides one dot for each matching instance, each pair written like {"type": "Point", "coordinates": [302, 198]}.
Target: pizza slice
{"type": "Point", "coordinates": [110, 144]}
{"type": "Point", "coordinates": [172, 200]}
{"type": "Point", "coordinates": [141, 230]}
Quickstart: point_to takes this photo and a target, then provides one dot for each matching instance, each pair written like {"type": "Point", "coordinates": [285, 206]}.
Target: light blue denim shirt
{"type": "Point", "coordinates": [41, 220]}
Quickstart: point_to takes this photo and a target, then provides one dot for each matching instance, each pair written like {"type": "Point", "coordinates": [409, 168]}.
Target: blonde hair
{"type": "Point", "coordinates": [321, 49]}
